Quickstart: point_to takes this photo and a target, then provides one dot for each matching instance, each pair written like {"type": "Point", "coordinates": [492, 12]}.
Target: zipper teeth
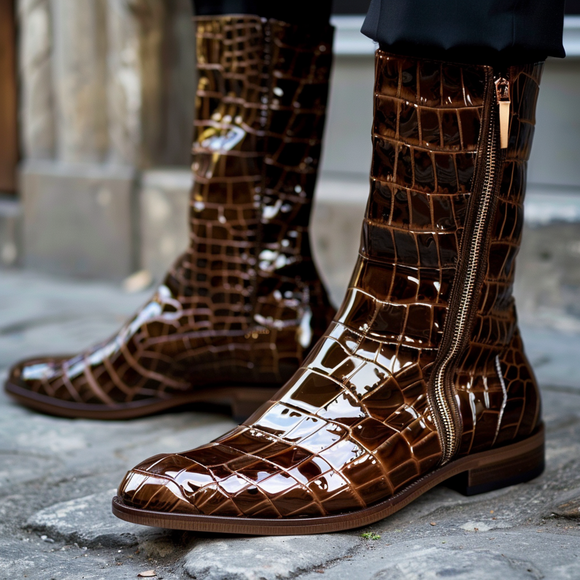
{"type": "Point", "coordinates": [446, 406]}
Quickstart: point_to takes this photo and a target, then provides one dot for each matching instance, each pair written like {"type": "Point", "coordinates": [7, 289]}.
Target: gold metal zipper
{"type": "Point", "coordinates": [442, 394]}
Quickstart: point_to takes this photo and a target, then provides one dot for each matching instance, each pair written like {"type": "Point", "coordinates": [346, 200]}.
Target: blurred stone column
{"type": "Point", "coordinates": [135, 35]}
{"type": "Point", "coordinates": [178, 84]}
{"type": "Point", "coordinates": [79, 65]}
{"type": "Point", "coordinates": [164, 193]}
{"type": "Point", "coordinates": [37, 120]}
{"type": "Point", "coordinates": [124, 90]}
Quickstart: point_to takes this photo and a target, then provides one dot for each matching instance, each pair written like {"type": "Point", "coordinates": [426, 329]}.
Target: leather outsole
{"type": "Point", "coordinates": [243, 401]}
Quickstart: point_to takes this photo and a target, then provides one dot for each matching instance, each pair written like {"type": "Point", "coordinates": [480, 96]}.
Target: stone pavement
{"type": "Point", "coordinates": [57, 477]}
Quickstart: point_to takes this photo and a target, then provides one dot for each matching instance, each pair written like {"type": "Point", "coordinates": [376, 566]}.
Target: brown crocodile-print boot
{"type": "Point", "coordinates": [242, 306]}
{"type": "Point", "coordinates": [422, 377]}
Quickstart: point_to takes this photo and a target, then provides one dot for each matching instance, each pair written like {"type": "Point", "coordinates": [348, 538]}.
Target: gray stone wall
{"type": "Point", "coordinates": [106, 91]}
{"type": "Point", "coordinates": [79, 79]}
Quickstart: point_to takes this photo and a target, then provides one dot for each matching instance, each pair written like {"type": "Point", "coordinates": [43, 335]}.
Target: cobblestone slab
{"type": "Point", "coordinates": [275, 558]}
{"type": "Point", "coordinates": [517, 555]}
{"type": "Point", "coordinates": [88, 521]}
{"type": "Point", "coordinates": [554, 355]}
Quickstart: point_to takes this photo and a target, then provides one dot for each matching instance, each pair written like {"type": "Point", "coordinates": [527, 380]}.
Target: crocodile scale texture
{"type": "Point", "coordinates": [244, 304]}
{"type": "Point", "coordinates": [354, 426]}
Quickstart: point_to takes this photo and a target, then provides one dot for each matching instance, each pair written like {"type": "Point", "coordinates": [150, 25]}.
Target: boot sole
{"type": "Point", "coordinates": [242, 400]}
{"type": "Point", "coordinates": [470, 475]}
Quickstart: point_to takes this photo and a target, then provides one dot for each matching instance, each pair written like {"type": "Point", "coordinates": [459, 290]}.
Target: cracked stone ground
{"type": "Point", "coordinates": [57, 477]}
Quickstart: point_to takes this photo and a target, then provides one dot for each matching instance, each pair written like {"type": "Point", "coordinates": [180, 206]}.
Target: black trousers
{"type": "Point", "coordinates": [311, 13]}
{"type": "Point", "coordinates": [469, 30]}
{"type": "Point", "coordinates": [482, 31]}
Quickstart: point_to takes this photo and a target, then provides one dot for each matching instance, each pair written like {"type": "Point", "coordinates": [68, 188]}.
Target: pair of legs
{"type": "Point", "coordinates": [419, 378]}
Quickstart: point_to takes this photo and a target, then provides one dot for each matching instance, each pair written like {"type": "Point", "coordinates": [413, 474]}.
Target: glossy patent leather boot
{"type": "Point", "coordinates": [422, 377]}
{"type": "Point", "coordinates": [242, 306]}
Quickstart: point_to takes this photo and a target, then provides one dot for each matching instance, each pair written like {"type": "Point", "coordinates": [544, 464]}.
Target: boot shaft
{"type": "Point", "coordinates": [428, 133]}
{"type": "Point", "coordinates": [260, 111]}
{"type": "Point", "coordinates": [442, 229]}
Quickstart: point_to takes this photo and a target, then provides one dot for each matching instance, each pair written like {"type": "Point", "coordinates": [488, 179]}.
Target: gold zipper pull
{"type": "Point", "coordinates": [503, 96]}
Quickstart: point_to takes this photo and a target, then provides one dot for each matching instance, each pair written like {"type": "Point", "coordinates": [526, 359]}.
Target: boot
{"type": "Point", "coordinates": [234, 318]}
{"type": "Point", "coordinates": [421, 378]}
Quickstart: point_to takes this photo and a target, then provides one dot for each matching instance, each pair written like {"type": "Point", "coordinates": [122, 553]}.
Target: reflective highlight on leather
{"type": "Point", "coordinates": [353, 426]}
{"type": "Point", "coordinates": [244, 304]}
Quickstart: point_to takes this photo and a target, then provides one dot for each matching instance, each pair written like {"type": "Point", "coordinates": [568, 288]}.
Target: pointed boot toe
{"type": "Point", "coordinates": [29, 373]}
{"type": "Point", "coordinates": [15, 382]}
{"type": "Point", "coordinates": [152, 487]}
{"type": "Point", "coordinates": [38, 382]}
{"type": "Point", "coordinates": [181, 484]}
